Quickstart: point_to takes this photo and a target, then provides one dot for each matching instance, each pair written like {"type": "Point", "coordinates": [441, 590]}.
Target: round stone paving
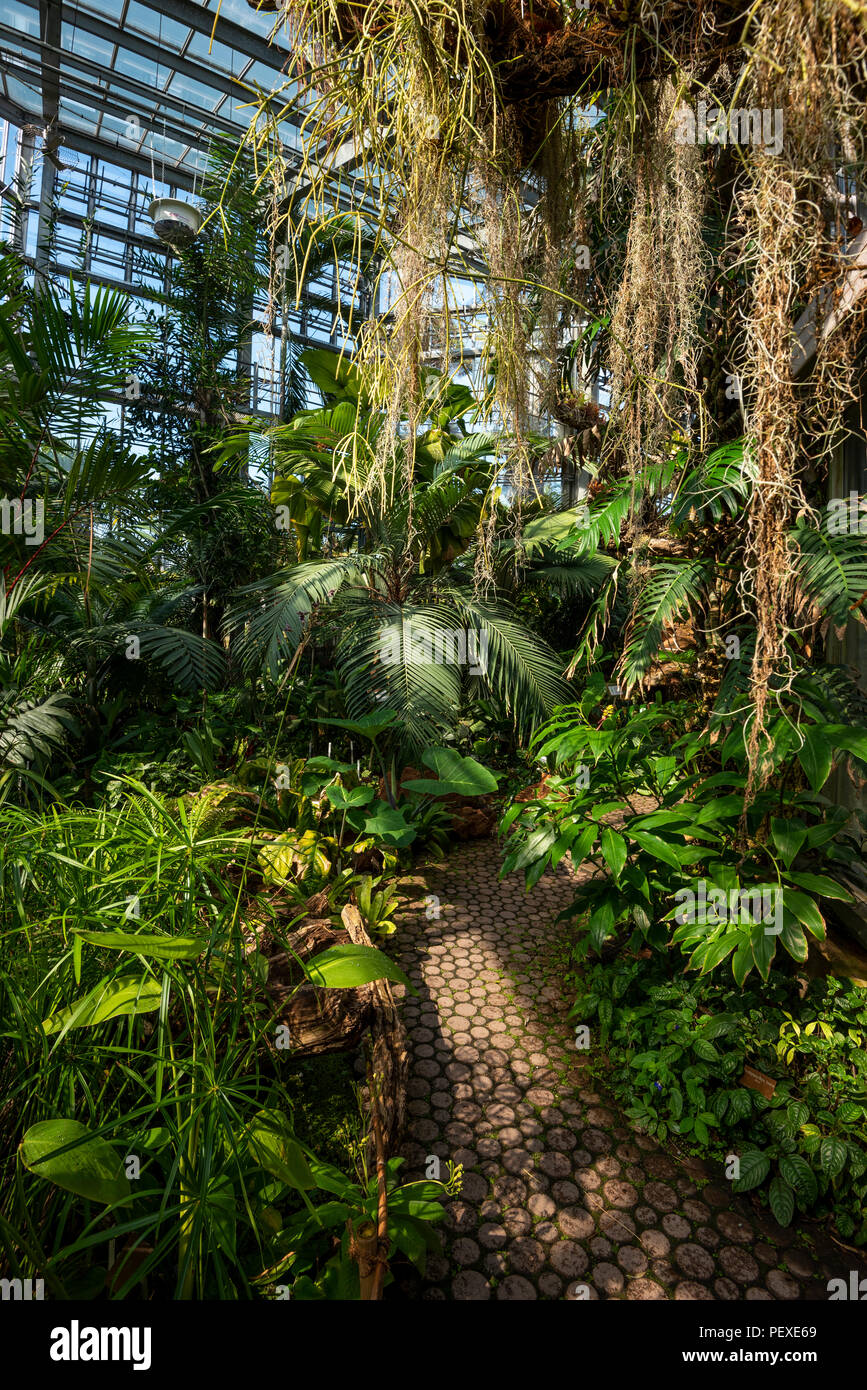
{"type": "Point", "coordinates": [561, 1198]}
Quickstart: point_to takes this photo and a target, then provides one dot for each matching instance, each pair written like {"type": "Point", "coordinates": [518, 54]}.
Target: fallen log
{"type": "Point", "coordinates": [318, 1020]}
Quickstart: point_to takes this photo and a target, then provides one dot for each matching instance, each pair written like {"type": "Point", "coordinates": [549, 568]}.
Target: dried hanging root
{"type": "Point", "coordinates": [655, 321]}
{"type": "Point", "coordinates": [508, 352]}
{"type": "Point", "coordinates": [810, 63]}
{"type": "Point", "coordinates": [772, 431]}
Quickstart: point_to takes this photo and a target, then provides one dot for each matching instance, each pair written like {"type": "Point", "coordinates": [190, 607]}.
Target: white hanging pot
{"type": "Point", "coordinates": [175, 222]}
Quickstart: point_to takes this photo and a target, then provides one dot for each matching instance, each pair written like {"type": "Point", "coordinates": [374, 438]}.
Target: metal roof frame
{"type": "Point", "coordinates": [40, 62]}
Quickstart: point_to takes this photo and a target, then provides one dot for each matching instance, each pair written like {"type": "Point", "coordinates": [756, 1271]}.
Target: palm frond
{"type": "Point", "coordinates": [605, 609]}
{"type": "Point", "coordinates": [719, 485]}
{"type": "Point", "coordinates": [32, 730]}
{"type": "Point", "coordinates": [267, 626]}
{"type": "Point", "coordinates": [602, 524]}
{"type": "Point", "coordinates": [674, 589]}
{"type": "Point", "coordinates": [522, 669]}
{"type": "Point", "coordinates": [832, 571]}
{"type": "Point", "coordinates": [190, 661]}
{"type": "Point", "coordinates": [74, 350]}
{"type": "Point", "coordinates": [581, 576]}
{"type": "Point", "coordinates": [390, 658]}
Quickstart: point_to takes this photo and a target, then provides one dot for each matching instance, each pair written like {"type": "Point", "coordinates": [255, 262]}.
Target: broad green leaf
{"type": "Point", "coordinates": [815, 756]}
{"type": "Point", "coordinates": [800, 1176]}
{"type": "Point", "coordinates": [658, 848]}
{"type": "Point", "coordinates": [613, 848]}
{"type": "Point", "coordinates": [793, 939]}
{"type": "Point", "coordinates": [788, 836]}
{"type": "Point", "coordinates": [455, 776]}
{"type": "Point", "coordinates": [821, 885]}
{"type": "Point", "coordinates": [707, 958]}
{"type": "Point", "coordinates": [764, 947]}
{"type": "Point", "coordinates": [147, 944]}
{"type": "Point", "coordinates": [511, 815]}
{"type": "Point", "coordinates": [657, 818]}
{"type": "Point", "coordinates": [832, 1156]}
{"type": "Point", "coordinates": [782, 1200]}
{"type": "Point", "coordinates": [740, 1103]}
{"type": "Point", "coordinates": [334, 374]}
{"type": "Point", "coordinates": [534, 873]}
{"type": "Point", "coordinates": [388, 823]}
{"type": "Point", "coordinates": [805, 910]}
{"type": "Point", "coordinates": [850, 740]}
{"type": "Point", "coordinates": [348, 966]}
{"type": "Point", "coordinates": [664, 767]}
{"type": "Point", "coordinates": [424, 1191]}
{"type": "Point", "coordinates": [754, 1168]}
{"type": "Point", "coordinates": [583, 844]}
{"type": "Point", "coordinates": [536, 846]}
{"type": "Point", "coordinates": [722, 807]}
{"type": "Point", "coordinates": [291, 853]}
{"type": "Point", "coordinates": [274, 1147]}
{"type": "Point", "coordinates": [368, 726]}
{"type": "Point", "coordinates": [408, 1239]}
{"type": "Point", "coordinates": [558, 850]}
{"type": "Point", "coordinates": [113, 997]}
{"type": "Point", "coordinates": [330, 1179]}
{"type": "Point", "coordinates": [342, 798]}
{"type": "Point", "coordinates": [93, 1169]}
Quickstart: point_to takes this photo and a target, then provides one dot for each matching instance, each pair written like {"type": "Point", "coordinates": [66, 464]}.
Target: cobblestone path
{"type": "Point", "coordinates": [558, 1189]}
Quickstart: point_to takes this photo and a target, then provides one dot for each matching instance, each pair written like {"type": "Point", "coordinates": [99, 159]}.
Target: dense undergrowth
{"type": "Point", "coordinates": [691, 957]}
{"type": "Point", "coordinates": [253, 667]}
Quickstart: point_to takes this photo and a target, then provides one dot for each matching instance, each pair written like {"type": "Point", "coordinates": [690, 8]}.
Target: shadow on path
{"type": "Point", "coordinates": [561, 1197]}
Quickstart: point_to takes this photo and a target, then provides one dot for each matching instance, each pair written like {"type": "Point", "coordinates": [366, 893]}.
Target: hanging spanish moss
{"type": "Point", "coordinates": [654, 322]}
{"type": "Point", "coordinates": [795, 226]}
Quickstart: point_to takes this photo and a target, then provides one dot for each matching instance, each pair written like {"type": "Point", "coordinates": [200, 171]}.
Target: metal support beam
{"type": "Point", "coordinates": [177, 175]}
{"type": "Point", "coordinates": [49, 30]}
{"type": "Point", "coordinates": [116, 102]}
{"type": "Point", "coordinates": [24, 158]}
{"type": "Point", "coordinates": [165, 58]}
{"type": "Point", "coordinates": [226, 30]}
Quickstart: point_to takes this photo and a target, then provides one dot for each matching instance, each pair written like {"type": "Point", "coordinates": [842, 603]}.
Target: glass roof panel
{"type": "Point", "coordinates": [86, 45]}
{"type": "Point", "coordinates": [110, 9]}
{"type": "Point", "coordinates": [217, 55]}
{"type": "Point", "coordinates": [16, 15]}
{"type": "Point", "coordinates": [27, 97]}
{"type": "Point", "coordinates": [142, 69]}
{"type": "Point", "coordinates": [164, 146]}
{"type": "Point", "coordinates": [157, 27]}
{"type": "Point", "coordinates": [191, 90]}
{"type": "Point", "coordinates": [270, 79]}
{"type": "Point", "coordinates": [259, 21]}
{"type": "Point", "coordinates": [75, 113]}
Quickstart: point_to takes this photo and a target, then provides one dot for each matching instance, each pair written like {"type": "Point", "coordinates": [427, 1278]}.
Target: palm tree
{"type": "Point", "coordinates": [77, 573]}
{"type": "Point", "coordinates": [193, 393]}
{"type": "Point", "coordinates": [395, 568]}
